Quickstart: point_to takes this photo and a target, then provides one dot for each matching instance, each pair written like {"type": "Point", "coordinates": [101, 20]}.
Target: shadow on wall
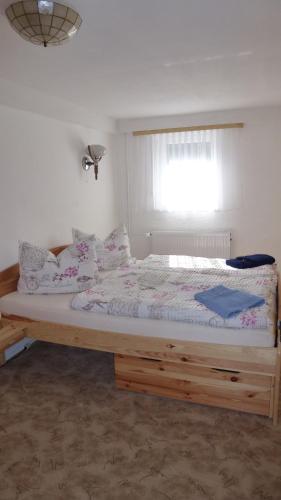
{"type": "Point", "coordinates": [77, 147]}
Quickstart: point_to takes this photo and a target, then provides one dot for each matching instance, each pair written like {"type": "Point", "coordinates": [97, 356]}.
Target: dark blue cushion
{"type": "Point", "coordinates": [247, 261]}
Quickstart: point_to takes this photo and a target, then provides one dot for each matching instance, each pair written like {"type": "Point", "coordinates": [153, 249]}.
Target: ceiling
{"type": "Point", "coordinates": [156, 57]}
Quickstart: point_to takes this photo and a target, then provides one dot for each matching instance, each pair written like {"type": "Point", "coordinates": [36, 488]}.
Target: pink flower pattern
{"type": "Point", "coordinates": [114, 251]}
{"type": "Point", "coordinates": [249, 318]}
{"type": "Point", "coordinates": [69, 272]}
{"type": "Point", "coordinates": [163, 296]}
{"type": "Point", "coordinates": [82, 247]}
{"type": "Point", "coordinates": [110, 247]}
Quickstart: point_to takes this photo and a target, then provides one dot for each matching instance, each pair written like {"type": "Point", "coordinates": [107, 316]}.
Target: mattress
{"type": "Point", "coordinates": [56, 309]}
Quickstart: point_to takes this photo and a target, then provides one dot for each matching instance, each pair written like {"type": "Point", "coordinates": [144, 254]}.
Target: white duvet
{"type": "Point", "coordinates": [150, 289]}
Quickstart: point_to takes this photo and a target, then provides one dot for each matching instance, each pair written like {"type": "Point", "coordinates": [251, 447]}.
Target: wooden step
{"type": "Point", "coordinates": [10, 334]}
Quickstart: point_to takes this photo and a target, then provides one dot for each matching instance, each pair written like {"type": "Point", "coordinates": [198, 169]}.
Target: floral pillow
{"type": "Point", "coordinates": [113, 252]}
{"type": "Point", "coordinates": [73, 270]}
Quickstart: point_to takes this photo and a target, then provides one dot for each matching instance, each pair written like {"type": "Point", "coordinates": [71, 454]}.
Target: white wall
{"type": "Point", "coordinates": [29, 99]}
{"type": "Point", "coordinates": [255, 223]}
{"type": "Point", "coordinates": [42, 190]}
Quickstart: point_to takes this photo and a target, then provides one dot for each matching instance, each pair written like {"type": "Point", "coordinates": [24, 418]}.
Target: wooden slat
{"type": "Point", "coordinates": [188, 386]}
{"type": "Point", "coordinates": [9, 335]}
{"type": "Point", "coordinates": [188, 129]}
{"type": "Point", "coordinates": [7, 319]}
{"type": "Point", "coordinates": [250, 405]}
{"type": "Point", "coordinates": [198, 374]}
{"type": "Point", "coordinates": [247, 359]}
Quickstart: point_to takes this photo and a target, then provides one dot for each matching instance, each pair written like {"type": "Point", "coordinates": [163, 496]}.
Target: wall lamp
{"type": "Point", "coordinates": [96, 153]}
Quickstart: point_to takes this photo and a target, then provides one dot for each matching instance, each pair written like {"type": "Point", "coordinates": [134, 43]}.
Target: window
{"type": "Point", "coordinates": [185, 172]}
{"type": "Point", "coordinates": [173, 179]}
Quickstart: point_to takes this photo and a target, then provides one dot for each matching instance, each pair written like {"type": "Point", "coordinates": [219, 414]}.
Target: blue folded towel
{"type": "Point", "coordinates": [248, 261]}
{"type": "Point", "coordinates": [228, 302]}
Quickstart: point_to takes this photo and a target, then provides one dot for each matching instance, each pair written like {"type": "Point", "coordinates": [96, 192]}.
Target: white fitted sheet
{"type": "Point", "coordinates": [56, 309]}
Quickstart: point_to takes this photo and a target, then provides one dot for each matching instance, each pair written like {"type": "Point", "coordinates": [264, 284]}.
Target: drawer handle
{"type": "Point", "coordinates": [151, 359]}
{"type": "Point", "coordinates": [223, 370]}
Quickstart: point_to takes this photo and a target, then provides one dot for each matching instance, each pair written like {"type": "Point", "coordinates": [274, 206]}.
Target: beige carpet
{"type": "Point", "coordinates": [66, 433]}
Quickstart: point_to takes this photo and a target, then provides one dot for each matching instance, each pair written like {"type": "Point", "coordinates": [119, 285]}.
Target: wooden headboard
{"type": "Point", "coordinates": [10, 276]}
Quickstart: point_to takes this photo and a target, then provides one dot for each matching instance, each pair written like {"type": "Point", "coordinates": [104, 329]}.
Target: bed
{"type": "Point", "coordinates": [189, 362]}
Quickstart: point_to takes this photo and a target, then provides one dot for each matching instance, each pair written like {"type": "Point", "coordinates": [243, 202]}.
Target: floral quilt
{"type": "Point", "coordinates": [168, 294]}
{"type": "Point", "coordinates": [204, 265]}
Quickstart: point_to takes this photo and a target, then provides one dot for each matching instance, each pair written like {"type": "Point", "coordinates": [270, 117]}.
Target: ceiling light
{"type": "Point", "coordinates": [45, 7]}
{"type": "Point", "coordinates": [43, 22]}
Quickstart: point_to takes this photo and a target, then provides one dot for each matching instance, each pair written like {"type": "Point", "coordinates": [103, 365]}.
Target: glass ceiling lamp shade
{"type": "Point", "coordinates": [43, 22]}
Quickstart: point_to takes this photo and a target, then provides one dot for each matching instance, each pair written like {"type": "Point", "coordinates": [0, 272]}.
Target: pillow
{"type": "Point", "coordinates": [113, 252]}
{"type": "Point", "coordinates": [73, 270]}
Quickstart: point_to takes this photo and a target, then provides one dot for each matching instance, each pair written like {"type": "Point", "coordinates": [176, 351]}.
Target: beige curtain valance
{"type": "Point", "coordinates": [188, 129]}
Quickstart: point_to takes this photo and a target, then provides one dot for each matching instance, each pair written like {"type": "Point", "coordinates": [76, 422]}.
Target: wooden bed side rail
{"type": "Point", "coordinates": [9, 277]}
{"type": "Point", "coordinates": [252, 359]}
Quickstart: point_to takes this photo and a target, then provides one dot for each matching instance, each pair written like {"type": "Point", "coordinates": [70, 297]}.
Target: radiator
{"type": "Point", "coordinates": [197, 244]}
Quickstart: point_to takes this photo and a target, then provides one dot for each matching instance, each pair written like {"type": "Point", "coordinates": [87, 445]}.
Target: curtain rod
{"type": "Point", "coordinates": [188, 129]}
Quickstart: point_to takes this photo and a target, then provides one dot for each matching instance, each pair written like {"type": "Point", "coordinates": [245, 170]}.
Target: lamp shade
{"type": "Point", "coordinates": [96, 151]}
{"type": "Point", "coordinates": [43, 22]}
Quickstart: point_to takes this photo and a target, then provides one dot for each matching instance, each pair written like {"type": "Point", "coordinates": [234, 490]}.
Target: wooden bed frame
{"type": "Point", "coordinates": [234, 377]}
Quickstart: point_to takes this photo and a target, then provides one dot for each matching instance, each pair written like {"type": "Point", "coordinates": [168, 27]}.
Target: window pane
{"type": "Point", "coordinates": [190, 185]}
